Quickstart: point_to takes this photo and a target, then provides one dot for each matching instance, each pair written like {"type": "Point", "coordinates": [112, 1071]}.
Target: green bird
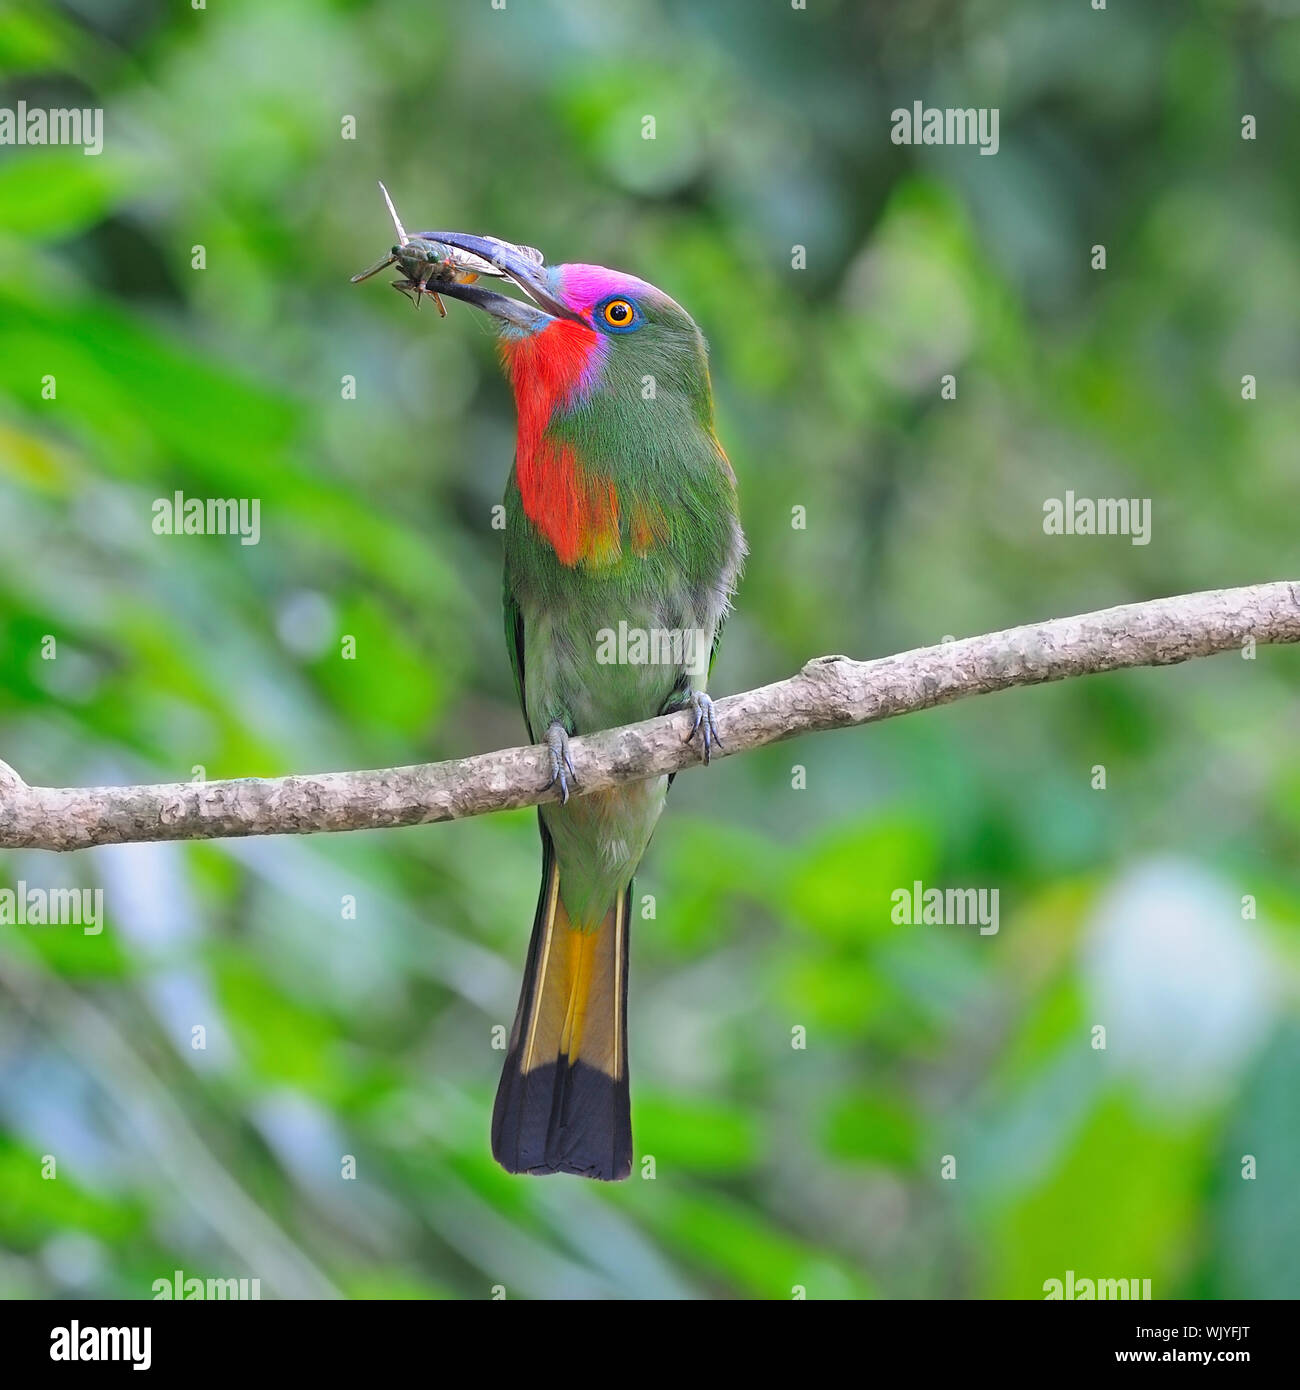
{"type": "Point", "coordinates": [622, 548]}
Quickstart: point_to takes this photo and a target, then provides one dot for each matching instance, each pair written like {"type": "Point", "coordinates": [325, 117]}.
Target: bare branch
{"type": "Point", "coordinates": [830, 692]}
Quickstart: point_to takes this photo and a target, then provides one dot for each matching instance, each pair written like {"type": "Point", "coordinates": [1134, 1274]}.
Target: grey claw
{"type": "Point", "coordinates": [706, 725]}
{"type": "Point", "coordinates": [557, 741]}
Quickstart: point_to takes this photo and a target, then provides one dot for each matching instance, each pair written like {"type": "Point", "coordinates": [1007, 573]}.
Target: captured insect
{"type": "Point", "coordinates": [426, 264]}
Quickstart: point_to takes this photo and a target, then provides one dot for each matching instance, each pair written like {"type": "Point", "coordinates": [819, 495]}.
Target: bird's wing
{"type": "Point", "coordinates": [515, 646]}
{"type": "Point", "coordinates": [717, 641]}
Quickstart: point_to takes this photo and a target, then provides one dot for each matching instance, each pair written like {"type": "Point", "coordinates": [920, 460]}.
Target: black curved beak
{"type": "Point", "coordinates": [510, 261]}
{"type": "Point", "coordinates": [517, 312]}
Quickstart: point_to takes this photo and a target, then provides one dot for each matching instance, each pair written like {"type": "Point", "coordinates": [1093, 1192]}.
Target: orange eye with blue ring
{"type": "Point", "coordinates": [619, 314]}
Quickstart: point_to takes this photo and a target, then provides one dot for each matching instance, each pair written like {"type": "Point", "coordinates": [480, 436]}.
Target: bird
{"type": "Point", "coordinates": [623, 547]}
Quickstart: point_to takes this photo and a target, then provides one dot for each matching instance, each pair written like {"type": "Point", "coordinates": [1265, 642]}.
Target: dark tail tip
{"type": "Point", "coordinates": [562, 1118]}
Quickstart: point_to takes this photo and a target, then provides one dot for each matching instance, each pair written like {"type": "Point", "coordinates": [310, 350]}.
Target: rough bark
{"type": "Point", "coordinates": [830, 692]}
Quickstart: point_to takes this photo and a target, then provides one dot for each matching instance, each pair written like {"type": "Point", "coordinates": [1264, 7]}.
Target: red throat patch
{"type": "Point", "coordinates": [575, 509]}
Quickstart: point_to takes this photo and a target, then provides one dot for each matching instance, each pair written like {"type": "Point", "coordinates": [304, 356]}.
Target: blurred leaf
{"type": "Point", "coordinates": [44, 195]}
{"type": "Point", "coordinates": [874, 1128]}
{"type": "Point", "coordinates": [699, 1136]}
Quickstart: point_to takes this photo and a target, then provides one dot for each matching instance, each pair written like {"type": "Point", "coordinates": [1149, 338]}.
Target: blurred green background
{"type": "Point", "coordinates": [775, 1166]}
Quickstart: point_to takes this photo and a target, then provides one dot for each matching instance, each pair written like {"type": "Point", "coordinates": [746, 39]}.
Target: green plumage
{"type": "Point", "coordinates": [663, 460]}
{"type": "Point", "coordinates": [629, 436]}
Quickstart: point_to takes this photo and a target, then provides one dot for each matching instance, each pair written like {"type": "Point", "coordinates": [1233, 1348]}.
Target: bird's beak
{"type": "Point", "coordinates": [511, 262]}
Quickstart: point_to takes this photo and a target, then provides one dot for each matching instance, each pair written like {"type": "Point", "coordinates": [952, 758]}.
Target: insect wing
{"type": "Point", "coordinates": [477, 265]}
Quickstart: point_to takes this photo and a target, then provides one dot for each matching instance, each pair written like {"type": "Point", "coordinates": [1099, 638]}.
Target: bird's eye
{"type": "Point", "coordinates": [618, 313]}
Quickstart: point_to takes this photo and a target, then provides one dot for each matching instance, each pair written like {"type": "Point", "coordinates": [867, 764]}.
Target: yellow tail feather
{"type": "Point", "coordinates": [562, 1106]}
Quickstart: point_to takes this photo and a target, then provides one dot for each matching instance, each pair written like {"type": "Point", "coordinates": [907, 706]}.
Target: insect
{"type": "Point", "coordinates": [425, 263]}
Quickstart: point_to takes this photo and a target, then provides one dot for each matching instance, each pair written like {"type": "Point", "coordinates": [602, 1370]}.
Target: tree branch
{"type": "Point", "coordinates": [830, 692]}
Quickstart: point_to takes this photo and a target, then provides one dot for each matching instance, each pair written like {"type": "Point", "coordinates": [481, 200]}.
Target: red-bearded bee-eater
{"type": "Point", "coordinates": [622, 547]}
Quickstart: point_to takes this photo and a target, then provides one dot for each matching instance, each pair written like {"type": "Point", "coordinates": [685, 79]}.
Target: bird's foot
{"type": "Point", "coordinates": [706, 725]}
{"type": "Point", "coordinates": [557, 741]}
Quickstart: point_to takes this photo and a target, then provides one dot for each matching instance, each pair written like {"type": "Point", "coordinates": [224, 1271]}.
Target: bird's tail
{"type": "Point", "coordinates": [562, 1105]}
